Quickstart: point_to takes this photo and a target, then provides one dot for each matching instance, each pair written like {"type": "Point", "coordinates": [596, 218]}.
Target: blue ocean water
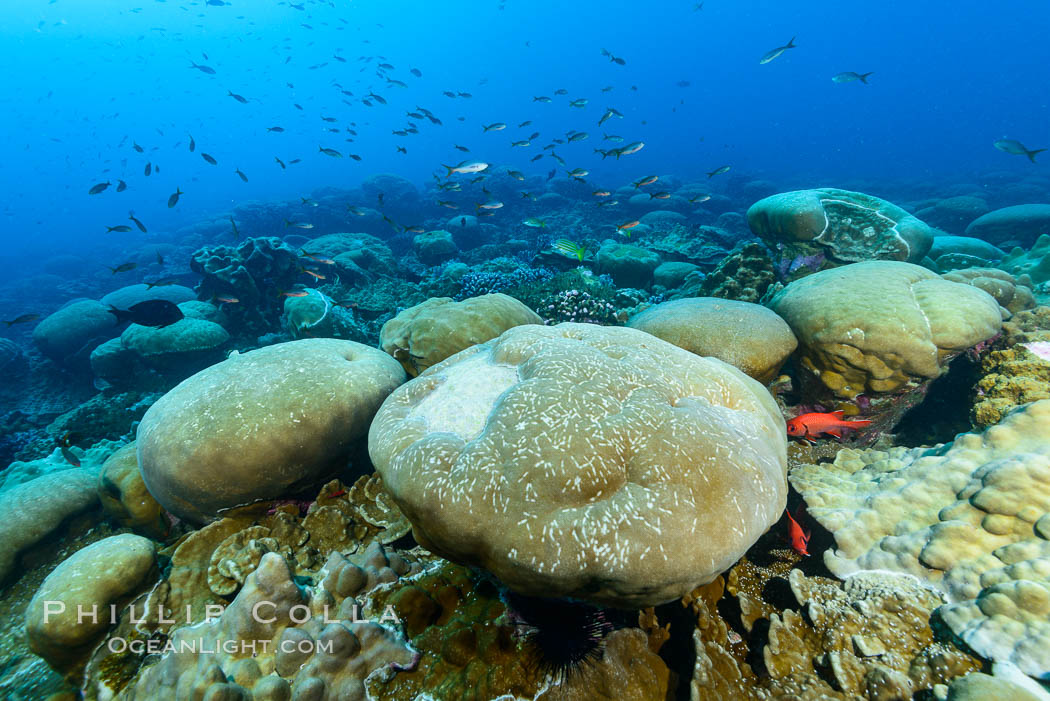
{"type": "Point", "coordinates": [166, 141]}
{"type": "Point", "coordinates": [85, 80]}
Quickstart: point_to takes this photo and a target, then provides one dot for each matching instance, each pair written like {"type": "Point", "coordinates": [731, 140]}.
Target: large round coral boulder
{"type": "Point", "coordinates": [59, 623]}
{"type": "Point", "coordinates": [876, 326]}
{"type": "Point", "coordinates": [840, 225]}
{"type": "Point", "coordinates": [585, 461]}
{"type": "Point", "coordinates": [71, 333]}
{"type": "Point", "coordinates": [261, 424]}
{"type": "Point", "coordinates": [431, 331]}
{"type": "Point", "coordinates": [1020, 225]}
{"type": "Point", "coordinates": [747, 336]}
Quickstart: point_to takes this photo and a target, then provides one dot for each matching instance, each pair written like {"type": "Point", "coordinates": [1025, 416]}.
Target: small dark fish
{"type": "Point", "coordinates": [157, 313]}
{"type": "Point", "coordinates": [70, 456]}
{"type": "Point", "coordinates": [275, 129]}
{"type": "Point", "coordinates": [203, 69]}
{"type": "Point", "coordinates": [464, 149]}
{"type": "Point", "coordinates": [536, 157]}
{"type": "Point", "coordinates": [164, 282]}
{"type": "Point", "coordinates": [140, 225]}
{"type": "Point", "coordinates": [120, 229]}
{"type": "Point", "coordinates": [124, 268]}
{"type": "Point", "coordinates": [96, 189]}
{"type": "Point", "coordinates": [280, 162]}
{"type": "Point", "coordinates": [121, 186]}
{"type": "Point", "coordinates": [242, 175]}
{"type": "Point", "coordinates": [193, 144]}
{"type": "Point", "coordinates": [160, 258]}
{"type": "Point", "coordinates": [377, 98]}
{"type": "Point", "coordinates": [354, 156]}
{"type": "Point", "coordinates": [329, 152]}
{"type": "Point", "coordinates": [137, 147]}
{"type": "Point", "coordinates": [416, 72]}
{"type": "Point", "coordinates": [718, 171]}
{"type": "Point", "coordinates": [551, 174]}
{"type": "Point", "coordinates": [233, 230]}
{"type": "Point", "coordinates": [209, 158]}
{"type": "Point", "coordinates": [401, 149]}
{"type": "Point", "coordinates": [24, 319]}
{"type": "Point", "coordinates": [174, 199]}
{"type": "Point", "coordinates": [294, 161]}
{"type": "Point", "coordinates": [465, 94]}
{"type": "Point", "coordinates": [297, 106]}
{"type": "Point", "coordinates": [239, 98]}
{"type": "Point", "coordinates": [149, 169]}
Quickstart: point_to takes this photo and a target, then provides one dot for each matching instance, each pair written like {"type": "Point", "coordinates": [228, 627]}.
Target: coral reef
{"type": "Point", "coordinates": [744, 275]}
{"type": "Point", "coordinates": [970, 519]}
{"type": "Point", "coordinates": [1014, 372]}
{"type": "Point", "coordinates": [560, 487]}
{"type": "Point", "coordinates": [255, 273]}
{"type": "Point", "coordinates": [295, 649]}
{"type": "Point", "coordinates": [577, 306]}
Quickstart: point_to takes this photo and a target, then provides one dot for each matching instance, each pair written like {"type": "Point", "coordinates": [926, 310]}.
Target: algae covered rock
{"type": "Point", "coordinates": [629, 265]}
{"type": "Point", "coordinates": [427, 333]}
{"type": "Point", "coordinates": [876, 326]}
{"type": "Point", "coordinates": [593, 462]}
{"type": "Point", "coordinates": [93, 578]}
{"type": "Point", "coordinates": [261, 423]}
{"type": "Point", "coordinates": [813, 229]}
{"type": "Point", "coordinates": [747, 336]}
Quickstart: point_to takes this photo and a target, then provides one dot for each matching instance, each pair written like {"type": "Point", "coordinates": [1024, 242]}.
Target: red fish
{"type": "Point", "coordinates": [799, 537]}
{"type": "Point", "coordinates": [816, 424]}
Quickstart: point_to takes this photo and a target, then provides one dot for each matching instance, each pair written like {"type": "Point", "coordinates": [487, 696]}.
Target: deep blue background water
{"type": "Point", "coordinates": [86, 78]}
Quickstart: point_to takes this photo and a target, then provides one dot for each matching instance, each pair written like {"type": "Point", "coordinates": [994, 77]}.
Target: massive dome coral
{"type": "Point", "coordinates": [876, 326]}
{"type": "Point", "coordinates": [261, 424]}
{"type": "Point", "coordinates": [592, 462]}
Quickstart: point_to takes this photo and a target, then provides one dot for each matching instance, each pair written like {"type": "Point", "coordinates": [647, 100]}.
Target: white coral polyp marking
{"type": "Point", "coordinates": [464, 399]}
